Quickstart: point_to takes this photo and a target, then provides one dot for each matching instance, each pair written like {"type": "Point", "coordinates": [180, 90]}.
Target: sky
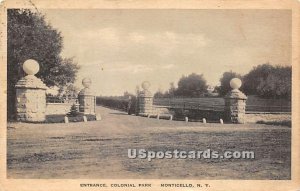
{"type": "Point", "coordinates": [119, 49]}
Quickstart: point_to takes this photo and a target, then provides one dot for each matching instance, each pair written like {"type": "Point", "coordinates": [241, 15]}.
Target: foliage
{"type": "Point", "coordinates": [172, 90]}
{"type": "Point", "coordinates": [257, 75]}
{"type": "Point", "coordinates": [269, 81]}
{"type": "Point", "coordinates": [277, 84]}
{"type": "Point", "coordinates": [118, 103]}
{"type": "Point", "coordinates": [224, 88]}
{"type": "Point", "coordinates": [30, 37]}
{"type": "Point", "coordinates": [193, 85]}
{"type": "Point", "coordinates": [69, 91]}
{"type": "Point", "coordinates": [264, 80]}
{"type": "Point", "coordinates": [122, 103]}
{"type": "Point", "coordinates": [127, 95]}
{"type": "Point", "coordinates": [159, 94]}
{"type": "Point", "coordinates": [63, 73]}
{"type": "Point", "coordinates": [73, 111]}
{"type": "Point", "coordinates": [167, 94]}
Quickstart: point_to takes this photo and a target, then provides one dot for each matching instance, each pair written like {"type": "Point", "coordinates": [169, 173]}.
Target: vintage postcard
{"type": "Point", "coordinates": [149, 95]}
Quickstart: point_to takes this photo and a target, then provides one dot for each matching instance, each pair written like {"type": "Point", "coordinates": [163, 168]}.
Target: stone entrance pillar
{"type": "Point", "coordinates": [31, 95]}
{"type": "Point", "coordinates": [145, 99]}
{"type": "Point", "coordinates": [86, 98]}
{"type": "Point", "coordinates": [235, 103]}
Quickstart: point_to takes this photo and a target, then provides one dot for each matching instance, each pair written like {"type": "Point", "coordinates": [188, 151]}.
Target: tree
{"type": "Point", "coordinates": [127, 95]}
{"type": "Point", "coordinates": [159, 94]}
{"type": "Point", "coordinates": [73, 111]}
{"type": "Point", "coordinates": [257, 75]}
{"type": "Point", "coordinates": [277, 84]}
{"type": "Point", "coordinates": [69, 91]}
{"type": "Point", "coordinates": [167, 94]}
{"type": "Point", "coordinates": [172, 90]}
{"type": "Point", "coordinates": [225, 82]}
{"type": "Point", "coordinates": [193, 85]}
{"type": "Point", "coordinates": [30, 37]}
{"type": "Point", "coordinates": [269, 81]}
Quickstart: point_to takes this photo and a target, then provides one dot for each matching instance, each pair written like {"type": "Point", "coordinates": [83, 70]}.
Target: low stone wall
{"type": "Point", "coordinates": [161, 110]}
{"type": "Point", "coordinates": [58, 108]}
{"type": "Point", "coordinates": [216, 115]}
{"type": "Point", "coordinates": [192, 114]}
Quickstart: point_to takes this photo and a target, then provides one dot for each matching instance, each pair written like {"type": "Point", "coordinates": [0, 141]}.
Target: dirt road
{"type": "Point", "coordinates": [98, 149]}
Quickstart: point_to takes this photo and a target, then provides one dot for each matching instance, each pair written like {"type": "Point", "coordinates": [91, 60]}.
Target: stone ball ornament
{"type": "Point", "coordinates": [146, 85]}
{"type": "Point", "coordinates": [86, 82]}
{"type": "Point", "coordinates": [31, 67]}
{"type": "Point", "coordinates": [235, 83]}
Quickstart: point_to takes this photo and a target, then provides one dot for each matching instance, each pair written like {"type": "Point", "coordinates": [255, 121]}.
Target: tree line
{"type": "Point", "coordinates": [265, 80]}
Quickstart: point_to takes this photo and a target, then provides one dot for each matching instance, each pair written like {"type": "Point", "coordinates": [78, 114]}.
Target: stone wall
{"type": "Point", "coordinates": [30, 104]}
{"type": "Point", "coordinates": [58, 108]}
{"type": "Point", "coordinates": [86, 98]}
{"type": "Point", "coordinates": [145, 104]}
{"type": "Point", "coordinates": [160, 110]}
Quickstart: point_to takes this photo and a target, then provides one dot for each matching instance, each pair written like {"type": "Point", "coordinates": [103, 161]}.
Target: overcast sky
{"type": "Point", "coordinates": [119, 49]}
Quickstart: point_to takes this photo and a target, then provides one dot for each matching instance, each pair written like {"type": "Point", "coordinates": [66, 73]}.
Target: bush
{"type": "Point", "coordinates": [224, 88]}
{"type": "Point", "coordinates": [193, 85]}
{"type": "Point", "coordinates": [73, 111]}
{"type": "Point", "coordinates": [113, 103]}
{"type": "Point", "coordinates": [269, 81]}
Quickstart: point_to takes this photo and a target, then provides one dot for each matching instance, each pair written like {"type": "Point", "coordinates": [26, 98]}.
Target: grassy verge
{"type": "Point", "coordinates": [277, 123]}
{"type": "Point", "coordinates": [61, 118]}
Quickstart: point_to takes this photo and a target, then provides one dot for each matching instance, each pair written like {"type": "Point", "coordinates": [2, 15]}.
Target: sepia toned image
{"type": "Point", "coordinates": [127, 96]}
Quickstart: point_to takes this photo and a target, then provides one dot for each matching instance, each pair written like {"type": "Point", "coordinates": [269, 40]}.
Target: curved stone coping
{"type": "Point", "coordinates": [236, 94]}
{"type": "Point", "coordinates": [31, 82]}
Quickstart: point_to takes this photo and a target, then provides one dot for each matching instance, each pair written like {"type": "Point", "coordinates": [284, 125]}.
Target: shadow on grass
{"type": "Point", "coordinates": [61, 118]}
{"type": "Point", "coordinates": [119, 113]}
{"type": "Point", "coordinates": [277, 123]}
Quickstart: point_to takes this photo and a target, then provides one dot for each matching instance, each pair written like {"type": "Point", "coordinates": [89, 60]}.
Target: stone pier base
{"type": "Point", "coordinates": [235, 106]}
{"type": "Point", "coordinates": [31, 99]}
{"type": "Point", "coordinates": [145, 104]}
{"type": "Point", "coordinates": [86, 98]}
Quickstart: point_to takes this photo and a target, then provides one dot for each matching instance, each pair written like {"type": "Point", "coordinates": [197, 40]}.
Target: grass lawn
{"type": "Point", "coordinates": [98, 149]}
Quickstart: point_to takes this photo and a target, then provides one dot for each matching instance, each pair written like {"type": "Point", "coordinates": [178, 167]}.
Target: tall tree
{"type": "Point", "coordinates": [257, 75]}
{"type": "Point", "coordinates": [193, 85]}
{"type": "Point", "coordinates": [172, 90]}
{"type": "Point", "coordinates": [278, 84]}
{"type": "Point", "coordinates": [225, 82]}
{"type": "Point", "coordinates": [159, 94]}
{"type": "Point", "coordinates": [29, 36]}
{"type": "Point", "coordinates": [269, 81]}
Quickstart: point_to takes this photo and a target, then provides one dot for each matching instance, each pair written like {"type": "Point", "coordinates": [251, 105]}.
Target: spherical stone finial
{"type": "Point", "coordinates": [235, 83]}
{"type": "Point", "coordinates": [146, 85]}
{"type": "Point", "coordinates": [31, 67]}
{"type": "Point", "coordinates": [86, 82]}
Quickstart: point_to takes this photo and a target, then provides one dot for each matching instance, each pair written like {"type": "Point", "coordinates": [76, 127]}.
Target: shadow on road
{"type": "Point", "coordinates": [119, 113]}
